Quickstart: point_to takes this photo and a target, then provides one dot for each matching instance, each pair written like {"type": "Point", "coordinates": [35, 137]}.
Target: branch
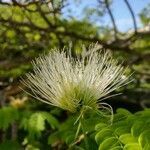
{"type": "Point", "coordinates": [111, 17]}
{"type": "Point", "coordinates": [4, 3]}
{"type": "Point", "coordinates": [43, 15]}
{"type": "Point", "coordinates": [119, 45]}
{"type": "Point", "coordinates": [132, 15]}
{"type": "Point", "coordinates": [14, 2]}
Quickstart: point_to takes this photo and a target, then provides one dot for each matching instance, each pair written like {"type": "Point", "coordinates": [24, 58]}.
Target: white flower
{"type": "Point", "coordinates": [70, 83]}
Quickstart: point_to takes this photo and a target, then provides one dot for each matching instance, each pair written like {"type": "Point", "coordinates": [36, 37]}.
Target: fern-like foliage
{"type": "Point", "coordinates": [128, 131]}
{"type": "Point", "coordinates": [35, 124]}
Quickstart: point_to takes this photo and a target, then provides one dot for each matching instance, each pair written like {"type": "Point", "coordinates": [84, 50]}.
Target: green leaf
{"type": "Point", "coordinates": [132, 130]}
{"type": "Point", "coordinates": [92, 144]}
{"type": "Point", "coordinates": [7, 116]}
{"type": "Point", "coordinates": [116, 148]}
{"type": "Point", "coordinates": [121, 115]}
{"type": "Point", "coordinates": [53, 138]}
{"type": "Point", "coordinates": [102, 135]}
{"type": "Point", "coordinates": [147, 147]}
{"type": "Point", "coordinates": [53, 122]}
{"type": "Point", "coordinates": [133, 146]}
{"type": "Point", "coordinates": [69, 139]}
{"type": "Point", "coordinates": [36, 124]}
{"type": "Point", "coordinates": [139, 126]}
{"type": "Point", "coordinates": [100, 126]}
{"type": "Point", "coordinates": [127, 138]}
{"type": "Point", "coordinates": [9, 145]}
{"type": "Point", "coordinates": [123, 111]}
{"type": "Point", "coordinates": [118, 118]}
{"type": "Point", "coordinates": [122, 130]}
{"type": "Point", "coordinates": [109, 143]}
{"type": "Point", "coordinates": [31, 147]}
{"type": "Point", "coordinates": [145, 113]}
{"type": "Point", "coordinates": [89, 124]}
{"type": "Point", "coordinates": [144, 138]}
{"type": "Point", "coordinates": [65, 134]}
{"type": "Point", "coordinates": [77, 148]}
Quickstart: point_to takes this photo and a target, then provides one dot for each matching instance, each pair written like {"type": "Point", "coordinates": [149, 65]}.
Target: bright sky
{"type": "Point", "coordinates": [122, 16]}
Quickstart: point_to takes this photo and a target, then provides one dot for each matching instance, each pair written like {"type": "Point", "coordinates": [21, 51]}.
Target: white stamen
{"type": "Point", "coordinates": [69, 83]}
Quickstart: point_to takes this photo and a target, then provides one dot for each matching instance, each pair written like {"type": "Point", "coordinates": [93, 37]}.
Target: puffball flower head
{"type": "Point", "coordinates": [70, 83]}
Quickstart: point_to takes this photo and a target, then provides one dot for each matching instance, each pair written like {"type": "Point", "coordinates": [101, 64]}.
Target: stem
{"type": "Point", "coordinates": [84, 133]}
{"type": "Point", "coordinates": [14, 128]}
{"type": "Point", "coordinates": [78, 129]}
{"type": "Point", "coordinates": [80, 126]}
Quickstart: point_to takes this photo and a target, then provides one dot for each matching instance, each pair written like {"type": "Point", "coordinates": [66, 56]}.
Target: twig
{"type": "Point", "coordinates": [112, 18]}
{"type": "Point", "coordinates": [132, 15]}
